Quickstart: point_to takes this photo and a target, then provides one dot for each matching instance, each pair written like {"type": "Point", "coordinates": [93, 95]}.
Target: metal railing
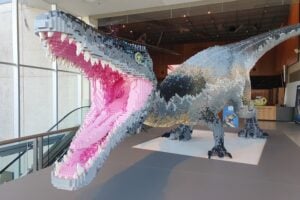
{"type": "Point", "coordinates": [69, 113]}
{"type": "Point", "coordinates": [39, 135]}
{"type": "Point", "coordinates": [35, 144]}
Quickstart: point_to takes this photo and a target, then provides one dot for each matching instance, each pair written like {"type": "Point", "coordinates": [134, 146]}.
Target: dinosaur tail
{"type": "Point", "coordinates": [255, 47]}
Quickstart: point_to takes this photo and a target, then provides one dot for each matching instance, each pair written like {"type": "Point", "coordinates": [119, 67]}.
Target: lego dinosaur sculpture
{"type": "Point", "coordinates": [124, 93]}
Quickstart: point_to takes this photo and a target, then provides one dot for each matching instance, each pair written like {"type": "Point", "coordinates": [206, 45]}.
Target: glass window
{"type": "Point", "coordinates": [7, 102]}
{"type": "Point", "coordinates": [6, 50]}
{"type": "Point", "coordinates": [31, 50]}
{"type": "Point", "coordinates": [69, 98]}
{"type": "Point", "coordinates": [37, 100]}
{"type": "Point", "coordinates": [85, 91]}
{"type": "Point", "coordinates": [85, 96]}
{"type": "Point", "coordinates": [67, 68]}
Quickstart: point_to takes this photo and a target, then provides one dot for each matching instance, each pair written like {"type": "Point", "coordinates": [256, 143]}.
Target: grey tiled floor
{"type": "Point", "coordinates": [134, 174]}
{"type": "Point", "coordinates": [291, 129]}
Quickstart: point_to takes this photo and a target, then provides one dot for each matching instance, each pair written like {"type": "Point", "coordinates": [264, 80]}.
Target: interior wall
{"type": "Point", "coordinates": [293, 70]}
{"type": "Point", "coordinates": [285, 54]}
{"type": "Point", "coordinates": [270, 64]}
{"type": "Point", "coordinates": [266, 66]}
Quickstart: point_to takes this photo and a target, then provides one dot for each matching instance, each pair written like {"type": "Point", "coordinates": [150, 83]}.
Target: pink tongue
{"type": "Point", "coordinates": [94, 133]}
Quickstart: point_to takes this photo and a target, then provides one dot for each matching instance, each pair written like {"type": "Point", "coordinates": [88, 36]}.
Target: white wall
{"type": "Point", "coordinates": [293, 68]}
{"type": "Point", "coordinates": [31, 50]}
{"type": "Point", "coordinates": [290, 94]}
{"type": "Point", "coordinates": [6, 102]}
{"type": "Point", "coordinates": [291, 87]}
{"type": "Point", "coordinates": [6, 51]}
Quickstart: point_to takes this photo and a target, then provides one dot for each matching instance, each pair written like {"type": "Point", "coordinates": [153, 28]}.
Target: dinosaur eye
{"type": "Point", "coordinates": [139, 58]}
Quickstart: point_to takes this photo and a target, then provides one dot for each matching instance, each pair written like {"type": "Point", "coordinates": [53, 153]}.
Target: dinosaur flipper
{"type": "Point", "coordinates": [182, 133]}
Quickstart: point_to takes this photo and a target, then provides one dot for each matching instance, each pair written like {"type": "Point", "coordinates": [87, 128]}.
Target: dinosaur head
{"type": "Point", "coordinates": [122, 84]}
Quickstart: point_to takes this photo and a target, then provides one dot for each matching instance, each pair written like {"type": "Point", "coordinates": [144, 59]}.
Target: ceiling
{"type": "Point", "coordinates": [105, 8]}
{"type": "Point", "coordinates": [229, 21]}
{"type": "Point", "coordinates": [111, 8]}
{"type": "Point", "coordinates": [159, 22]}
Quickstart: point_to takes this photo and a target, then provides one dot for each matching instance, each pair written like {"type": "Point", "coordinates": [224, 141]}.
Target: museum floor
{"type": "Point", "coordinates": [135, 174]}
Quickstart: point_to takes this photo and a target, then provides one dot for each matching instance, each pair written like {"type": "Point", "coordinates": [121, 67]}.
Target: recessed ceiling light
{"type": "Point", "coordinates": [93, 1]}
{"type": "Point", "coordinates": [131, 31]}
{"type": "Point", "coordinates": [123, 26]}
{"type": "Point", "coordinates": [209, 12]}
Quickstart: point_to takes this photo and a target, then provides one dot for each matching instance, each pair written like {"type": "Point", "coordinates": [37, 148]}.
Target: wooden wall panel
{"type": "Point", "coordinates": [270, 64]}
{"type": "Point", "coordinates": [285, 52]}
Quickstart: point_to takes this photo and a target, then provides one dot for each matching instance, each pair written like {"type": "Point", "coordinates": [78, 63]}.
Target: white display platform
{"type": "Point", "coordinates": [247, 151]}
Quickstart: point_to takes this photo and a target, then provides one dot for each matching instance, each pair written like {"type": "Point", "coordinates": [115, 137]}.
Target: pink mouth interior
{"type": "Point", "coordinates": [115, 96]}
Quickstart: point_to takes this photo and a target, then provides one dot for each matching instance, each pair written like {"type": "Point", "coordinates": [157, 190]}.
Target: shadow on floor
{"type": "Point", "coordinates": [138, 182]}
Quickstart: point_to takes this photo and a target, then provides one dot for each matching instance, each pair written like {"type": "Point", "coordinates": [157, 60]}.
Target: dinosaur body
{"type": "Point", "coordinates": [124, 93]}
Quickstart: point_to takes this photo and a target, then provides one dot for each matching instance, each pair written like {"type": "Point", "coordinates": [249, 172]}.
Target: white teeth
{"type": "Point", "coordinates": [94, 61]}
{"type": "Point", "coordinates": [55, 173]}
{"type": "Point", "coordinates": [64, 63]}
{"type": "Point", "coordinates": [42, 35]}
{"type": "Point", "coordinates": [65, 158]}
{"type": "Point", "coordinates": [99, 150]}
{"type": "Point", "coordinates": [80, 169]}
{"type": "Point", "coordinates": [90, 162]}
{"type": "Point", "coordinates": [87, 56]}
{"type": "Point", "coordinates": [114, 68]}
{"type": "Point", "coordinates": [50, 34]}
{"type": "Point", "coordinates": [55, 169]}
{"type": "Point", "coordinates": [63, 36]}
{"type": "Point", "coordinates": [71, 40]}
{"type": "Point", "coordinates": [104, 63]}
{"type": "Point", "coordinates": [78, 48]}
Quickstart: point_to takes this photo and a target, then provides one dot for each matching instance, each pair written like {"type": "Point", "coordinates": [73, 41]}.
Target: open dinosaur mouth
{"type": "Point", "coordinates": [118, 102]}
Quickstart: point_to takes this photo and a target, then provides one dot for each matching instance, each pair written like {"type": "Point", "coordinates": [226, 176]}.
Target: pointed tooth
{"type": "Point", "coordinates": [79, 169]}
{"type": "Point", "coordinates": [58, 165]}
{"type": "Point", "coordinates": [55, 172]}
{"type": "Point", "coordinates": [94, 61]}
{"type": "Point", "coordinates": [87, 56]}
{"type": "Point", "coordinates": [42, 35]}
{"type": "Point", "coordinates": [78, 48]}
{"type": "Point", "coordinates": [63, 36]}
{"type": "Point", "coordinates": [71, 40]}
{"type": "Point", "coordinates": [50, 34]}
{"type": "Point", "coordinates": [90, 161]}
{"type": "Point", "coordinates": [78, 52]}
{"type": "Point", "coordinates": [63, 62]}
